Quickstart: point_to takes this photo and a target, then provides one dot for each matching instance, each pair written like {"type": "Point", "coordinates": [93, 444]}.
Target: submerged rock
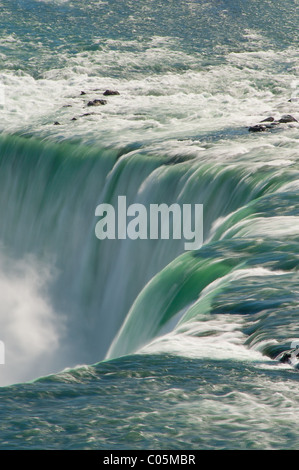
{"type": "Point", "coordinates": [96, 102]}
{"type": "Point", "coordinates": [83, 93]}
{"type": "Point", "coordinates": [285, 358]}
{"type": "Point", "coordinates": [270, 123]}
{"type": "Point", "coordinates": [287, 118]}
{"type": "Point", "coordinates": [56, 123]}
{"type": "Point", "coordinates": [289, 357]}
{"type": "Point", "coordinates": [257, 128]}
{"type": "Point", "coordinates": [111, 92]}
{"type": "Point", "coordinates": [87, 114]}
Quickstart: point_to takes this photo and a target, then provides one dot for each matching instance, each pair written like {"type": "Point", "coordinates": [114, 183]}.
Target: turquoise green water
{"type": "Point", "coordinates": [139, 344]}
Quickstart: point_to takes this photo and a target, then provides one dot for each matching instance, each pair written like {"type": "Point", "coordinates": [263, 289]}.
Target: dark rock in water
{"type": "Point", "coordinates": [87, 114]}
{"type": "Point", "coordinates": [285, 358]}
{"type": "Point", "coordinates": [289, 357]}
{"type": "Point", "coordinates": [268, 119]}
{"type": "Point", "coordinates": [74, 119]}
{"type": "Point", "coordinates": [110, 92]}
{"type": "Point", "coordinates": [257, 128]}
{"type": "Point", "coordinates": [272, 125]}
{"type": "Point", "coordinates": [56, 123]}
{"type": "Point", "coordinates": [67, 106]}
{"type": "Point", "coordinates": [287, 118]}
{"type": "Point", "coordinates": [83, 93]}
{"type": "Point", "coordinates": [96, 102]}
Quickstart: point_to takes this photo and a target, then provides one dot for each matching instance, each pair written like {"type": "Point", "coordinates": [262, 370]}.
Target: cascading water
{"type": "Point", "coordinates": [48, 217]}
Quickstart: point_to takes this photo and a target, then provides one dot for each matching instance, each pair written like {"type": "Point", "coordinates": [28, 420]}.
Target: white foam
{"type": "Point", "coordinates": [201, 335]}
{"type": "Point", "coordinates": [219, 338]}
{"type": "Point", "coordinates": [152, 106]}
{"type": "Point", "coordinates": [272, 227]}
{"type": "Point", "coordinates": [29, 327]}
